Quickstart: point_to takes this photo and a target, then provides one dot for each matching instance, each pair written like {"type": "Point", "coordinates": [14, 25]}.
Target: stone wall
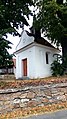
{"type": "Point", "coordinates": [11, 99]}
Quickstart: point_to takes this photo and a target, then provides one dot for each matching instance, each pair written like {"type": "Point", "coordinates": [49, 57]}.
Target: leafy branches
{"type": "Point", "coordinates": [50, 21]}
{"type": "Point", "coordinates": [12, 16]}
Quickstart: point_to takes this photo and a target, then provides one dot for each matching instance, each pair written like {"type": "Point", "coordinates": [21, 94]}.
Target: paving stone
{"type": "Point", "coordinates": [44, 100]}
{"type": "Point", "coordinates": [15, 101]}
{"type": "Point", "coordinates": [17, 105]}
{"type": "Point", "coordinates": [30, 95]}
{"type": "Point", "coordinates": [23, 95]}
{"type": "Point", "coordinates": [32, 103]}
{"type": "Point", "coordinates": [61, 97]}
{"type": "Point", "coordinates": [24, 100]}
{"type": "Point", "coordinates": [23, 105]}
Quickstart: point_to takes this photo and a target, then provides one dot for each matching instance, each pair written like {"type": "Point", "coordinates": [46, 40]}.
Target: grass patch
{"type": "Point", "coordinates": [3, 84]}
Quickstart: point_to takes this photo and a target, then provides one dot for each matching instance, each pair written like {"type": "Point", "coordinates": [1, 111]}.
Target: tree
{"type": "Point", "coordinates": [12, 16]}
{"type": "Point", "coordinates": [5, 57]}
{"type": "Point", "coordinates": [52, 19]}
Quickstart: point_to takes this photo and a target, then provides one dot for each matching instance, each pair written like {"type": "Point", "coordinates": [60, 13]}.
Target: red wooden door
{"type": "Point", "coordinates": [25, 67]}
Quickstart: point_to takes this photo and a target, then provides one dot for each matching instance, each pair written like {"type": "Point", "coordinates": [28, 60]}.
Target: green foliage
{"type": "Point", "coordinates": [5, 57]}
{"type": "Point", "coordinates": [12, 15]}
{"type": "Point", "coordinates": [57, 68]}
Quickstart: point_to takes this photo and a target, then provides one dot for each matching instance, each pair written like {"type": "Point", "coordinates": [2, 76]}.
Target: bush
{"type": "Point", "coordinates": [57, 68]}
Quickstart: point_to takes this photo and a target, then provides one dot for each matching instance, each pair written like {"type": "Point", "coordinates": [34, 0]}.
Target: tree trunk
{"type": "Point", "coordinates": [64, 54]}
{"type": "Point", "coordinates": [64, 46]}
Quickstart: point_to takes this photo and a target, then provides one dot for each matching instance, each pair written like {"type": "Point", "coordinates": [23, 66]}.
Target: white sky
{"type": "Point", "coordinates": [13, 40]}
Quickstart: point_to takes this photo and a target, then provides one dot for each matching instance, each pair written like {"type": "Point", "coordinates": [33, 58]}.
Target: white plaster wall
{"type": "Point", "coordinates": [30, 55]}
{"type": "Point", "coordinates": [43, 69]}
{"type": "Point", "coordinates": [24, 40]}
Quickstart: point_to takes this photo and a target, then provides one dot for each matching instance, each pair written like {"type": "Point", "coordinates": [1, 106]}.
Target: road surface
{"type": "Point", "coordinates": [56, 115]}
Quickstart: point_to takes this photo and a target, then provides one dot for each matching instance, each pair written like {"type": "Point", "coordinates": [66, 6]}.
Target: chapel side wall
{"type": "Point", "coordinates": [30, 55]}
{"type": "Point", "coordinates": [43, 69]}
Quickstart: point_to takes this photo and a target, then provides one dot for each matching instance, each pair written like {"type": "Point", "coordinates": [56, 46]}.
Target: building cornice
{"type": "Point", "coordinates": [35, 44]}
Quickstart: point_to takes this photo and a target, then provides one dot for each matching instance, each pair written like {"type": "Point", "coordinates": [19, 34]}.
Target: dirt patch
{"type": "Point", "coordinates": [8, 83]}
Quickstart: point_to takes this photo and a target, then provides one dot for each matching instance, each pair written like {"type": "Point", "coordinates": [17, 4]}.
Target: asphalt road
{"type": "Point", "coordinates": [56, 115]}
